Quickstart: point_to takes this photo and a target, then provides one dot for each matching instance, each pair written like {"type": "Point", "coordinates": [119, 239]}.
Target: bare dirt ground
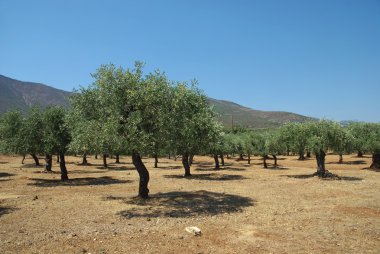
{"type": "Point", "coordinates": [240, 208]}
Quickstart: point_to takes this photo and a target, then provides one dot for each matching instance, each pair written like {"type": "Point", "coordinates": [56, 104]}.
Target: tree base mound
{"type": "Point", "coordinates": [327, 175]}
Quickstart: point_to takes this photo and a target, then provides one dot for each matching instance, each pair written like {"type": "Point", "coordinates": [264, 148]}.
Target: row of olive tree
{"type": "Point", "coordinates": [122, 112]}
{"type": "Point", "coordinates": [318, 137]}
{"type": "Point", "coordinates": [40, 132]}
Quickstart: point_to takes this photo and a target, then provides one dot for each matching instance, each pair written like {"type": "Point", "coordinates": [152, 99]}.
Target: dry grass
{"type": "Point", "coordinates": [240, 208]}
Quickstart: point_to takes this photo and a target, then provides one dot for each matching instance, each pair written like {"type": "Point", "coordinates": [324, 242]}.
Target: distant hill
{"type": "Point", "coordinates": [22, 95]}
{"type": "Point", "coordinates": [234, 114]}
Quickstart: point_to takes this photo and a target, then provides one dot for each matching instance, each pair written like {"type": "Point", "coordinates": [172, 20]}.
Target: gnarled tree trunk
{"type": "Point", "coordinates": [308, 155]}
{"type": "Point", "coordinates": [249, 158]}
{"type": "Point", "coordinates": [301, 156]}
{"type": "Point", "coordinates": [375, 161]}
{"type": "Point", "coordinates": [96, 156]}
{"type": "Point", "coordinates": [186, 165]}
{"type": "Point", "coordinates": [117, 159]}
{"type": "Point", "coordinates": [222, 159]}
{"type": "Point", "coordinates": [320, 156]}
{"type": "Point", "coordinates": [340, 158]}
{"type": "Point", "coordinates": [155, 161]}
{"type": "Point", "coordinates": [216, 161]}
{"type": "Point", "coordinates": [84, 159]}
{"type": "Point", "coordinates": [275, 160]}
{"type": "Point", "coordinates": [62, 166]}
{"type": "Point", "coordinates": [105, 161]}
{"type": "Point", "coordinates": [23, 158]}
{"type": "Point", "coordinates": [265, 161]}
{"type": "Point", "coordinates": [35, 158]}
{"type": "Point", "coordinates": [143, 174]}
{"type": "Point", "coordinates": [241, 156]}
{"type": "Point", "coordinates": [49, 161]}
{"type": "Point", "coordinates": [360, 154]}
{"type": "Point", "coordinates": [57, 158]}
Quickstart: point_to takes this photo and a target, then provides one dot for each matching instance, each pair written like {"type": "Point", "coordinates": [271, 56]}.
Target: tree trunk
{"type": "Point", "coordinates": [265, 161]}
{"type": "Point", "coordinates": [275, 160]}
{"type": "Point", "coordinates": [49, 160]}
{"type": "Point", "coordinates": [301, 155]}
{"type": "Point", "coordinates": [360, 154]}
{"type": "Point", "coordinates": [191, 159]}
{"type": "Point", "coordinates": [287, 151]}
{"type": "Point", "coordinates": [321, 171]}
{"type": "Point", "coordinates": [375, 161]}
{"type": "Point", "coordinates": [249, 158]}
{"type": "Point", "coordinates": [96, 156]}
{"type": "Point", "coordinates": [228, 156]}
{"type": "Point", "coordinates": [155, 161]}
{"type": "Point", "coordinates": [105, 161]}
{"type": "Point", "coordinates": [117, 159]}
{"type": "Point", "coordinates": [84, 159]}
{"type": "Point", "coordinates": [143, 174]}
{"type": "Point", "coordinates": [62, 165]}
{"type": "Point", "coordinates": [340, 158]}
{"type": "Point", "coordinates": [308, 155]}
{"type": "Point", "coordinates": [23, 158]}
{"type": "Point", "coordinates": [222, 159]}
{"type": "Point", "coordinates": [35, 158]}
{"type": "Point", "coordinates": [216, 161]}
{"type": "Point", "coordinates": [57, 158]}
{"type": "Point", "coordinates": [186, 166]}
{"type": "Point", "coordinates": [169, 156]}
{"type": "Point", "coordinates": [241, 157]}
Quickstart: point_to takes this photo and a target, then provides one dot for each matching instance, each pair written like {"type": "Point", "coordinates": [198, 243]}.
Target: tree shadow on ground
{"type": "Point", "coordinates": [372, 169]}
{"type": "Point", "coordinates": [113, 168]}
{"type": "Point", "coordinates": [31, 166]}
{"type": "Point", "coordinates": [344, 178]}
{"type": "Point", "coordinates": [209, 177]}
{"type": "Point", "coordinates": [105, 180]}
{"type": "Point", "coordinates": [186, 204]}
{"type": "Point", "coordinates": [3, 174]}
{"type": "Point", "coordinates": [4, 162]}
{"type": "Point", "coordinates": [277, 168]}
{"type": "Point", "coordinates": [222, 168]}
{"type": "Point", "coordinates": [357, 162]}
{"type": "Point", "coordinates": [89, 171]}
{"type": "Point", "coordinates": [6, 210]}
{"type": "Point", "coordinates": [167, 167]}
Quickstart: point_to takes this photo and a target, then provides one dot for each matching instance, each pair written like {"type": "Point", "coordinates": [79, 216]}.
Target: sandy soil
{"type": "Point", "coordinates": [240, 208]}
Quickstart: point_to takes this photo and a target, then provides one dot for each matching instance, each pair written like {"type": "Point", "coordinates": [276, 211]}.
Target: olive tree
{"type": "Point", "coordinates": [56, 136]}
{"type": "Point", "coordinates": [139, 108]}
{"type": "Point", "coordinates": [323, 137]}
{"type": "Point", "coordinates": [192, 122]}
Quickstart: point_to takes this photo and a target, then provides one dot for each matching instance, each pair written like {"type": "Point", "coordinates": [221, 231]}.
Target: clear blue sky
{"type": "Point", "coordinates": [314, 57]}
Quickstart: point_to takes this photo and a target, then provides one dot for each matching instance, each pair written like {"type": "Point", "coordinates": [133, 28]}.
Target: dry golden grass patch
{"type": "Point", "coordinates": [240, 209]}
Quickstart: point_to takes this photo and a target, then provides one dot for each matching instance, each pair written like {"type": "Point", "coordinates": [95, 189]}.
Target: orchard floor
{"type": "Point", "coordinates": [240, 208]}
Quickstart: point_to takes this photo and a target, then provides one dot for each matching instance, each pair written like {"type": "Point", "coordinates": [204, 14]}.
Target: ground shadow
{"type": "Point", "coordinates": [344, 178]}
{"type": "Point", "coordinates": [167, 167]}
{"type": "Point", "coordinates": [31, 166]}
{"type": "Point", "coordinates": [113, 168]}
{"type": "Point", "coordinates": [4, 162]}
{"type": "Point", "coordinates": [209, 177]}
{"type": "Point", "coordinates": [6, 210]}
{"type": "Point", "coordinates": [105, 180]}
{"type": "Point", "coordinates": [222, 168]}
{"type": "Point", "coordinates": [357, 162]}
{"type": "Point", "coordinates": [186, 204]}
{"type": "Point", "coordinates": [277, 168]}
{"type": "Point", "coordinates": [79, 171]}
{"type": "Point", "coordinates": [3, 174]}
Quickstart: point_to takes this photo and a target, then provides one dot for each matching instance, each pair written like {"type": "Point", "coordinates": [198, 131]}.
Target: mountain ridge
{"type": "Point", "coordinates": [21, 94]}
